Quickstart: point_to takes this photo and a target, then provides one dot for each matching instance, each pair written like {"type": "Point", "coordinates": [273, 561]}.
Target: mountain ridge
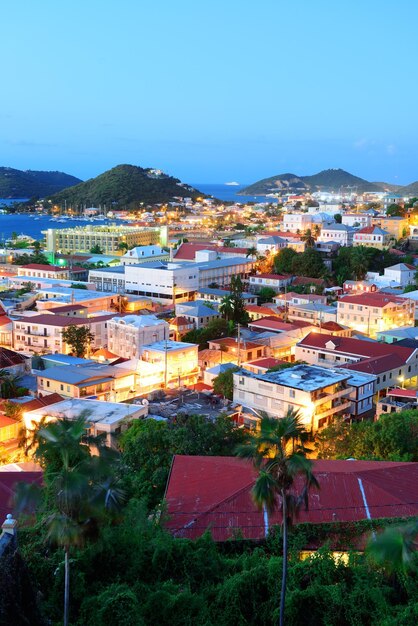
{"type": "Point", "coordinates": [16, 183]}
{"type": "Point", "coordinates": [325, 180]}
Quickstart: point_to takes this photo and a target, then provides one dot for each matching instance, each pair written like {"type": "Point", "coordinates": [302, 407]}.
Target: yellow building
{"type": "Point", "coordinates": [395, 226]}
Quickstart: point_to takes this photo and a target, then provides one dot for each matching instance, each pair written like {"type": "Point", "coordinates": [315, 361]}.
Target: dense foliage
{"type": "Point", "coordinates": [223, 384]}
{"type": "Point", "coordinates": [125, 186]}
{"type": "Point", "coordinates": [214, 330]}
{"type": "Point", "coordinates": [394, 437]}
{"type": "Point", "coordinates": [29, 184]}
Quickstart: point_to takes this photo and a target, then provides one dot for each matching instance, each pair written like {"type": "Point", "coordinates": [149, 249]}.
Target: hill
{"type": "Point", "coordinates": [327, 180]}
{"type": "Point", "coordinates": [389, 187]}
{"type": "Point", "coordinates": [30, 183]}
{"type": "Point", "coordinates": [126, 186]}
{"type": "Point", "coordinates": [281, 182]}
{"type": "Point", "coordinates": [410, 190]}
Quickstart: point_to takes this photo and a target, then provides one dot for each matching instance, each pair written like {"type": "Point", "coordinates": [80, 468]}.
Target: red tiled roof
{"type": "Point", "coordinates": [8, 358]}
{"type": "Point", "coordinates": [180, 320]}
{"type": "Point", "coordinates": [273, 276]}
{"type": "Point", "coordinates": [306, 280]}
{"type": "Point", "coordinates": [5, 320]}
{"type": "Point", "coordinates": [274, 323]}
{"type": "Point", "coordinates": [8, 482]}
{"type": "Point", "coordinates": [42, 267]}
{"type": "Point", "coordinates": [231, 342]}
{"type": "Point", "coordinates": [375, 298]}
{"type": "Point", "coordinates": [67, 307]}
{"type": "Point", "coordinates": [266, 362]}
{"type": "Point", "coordinates": [262, 310]}
{"type": "Point", "coordinates": [403, 393]}
{"type": "Point", "coordinates": [187, 251]}
{"type": "Point", "coordinates": [6, 421]}
{"type": "Point", "coordinates": [332, 326]}
{"type": "Point", "coordinates": [313, 297]}
{"type": "Point", "coordinates": [63, 321]}
{"type": "Point", "coordinates": [38, 403]}
{"type": "Point", "coordinates": [355, 347]}
{"type": "Point", "coordinates": [214, 493]}
{"type": "Point", "coordinates": [377, 365]}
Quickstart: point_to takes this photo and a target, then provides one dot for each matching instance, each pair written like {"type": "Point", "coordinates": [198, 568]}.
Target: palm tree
{"type": "Point", "coordinates": [252, 252]}
{"type": "Point", "coordinates": [395, 547]}
{"type": "Point", "coordinates": [226, 307]}
{"type": "Point", "coordinates": [9, 384]}
{"type": "Point", "coordinates": [278, 453]}
{"type": "Point", "coordinates": [79, 488]}
{"type": "Point", "coordinates": [360, 261]}
{"type": "Point", "coordinates": [308, 238]}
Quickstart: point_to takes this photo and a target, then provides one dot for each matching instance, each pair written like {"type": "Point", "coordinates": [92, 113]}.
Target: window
{"type": "Point", "coordinates": [292, 393]}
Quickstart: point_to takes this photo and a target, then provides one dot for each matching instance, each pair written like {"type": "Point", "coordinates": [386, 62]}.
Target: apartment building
{"type": "Point", "coordinates": [38, 270]}
{"type": "Point", "coordinates": [173, 364]}
{"type": "Point", "coordinates": [314, 312]}
{"type": "Point", "coordinates": [319, 394]}
{"type": "Point", "coordinates": [297, 222]}
{"type": "Point", "coordinates": [43, 333]}
{"type": "Point", "coordinates": [127, 335]}
{"type": "Point", "coordinates": [216, 296]}
{"type": "Point", "coordinates": [107, 238]}
{"type": "Point", "coordinates": [271, 244]}
{"type": "Point", "coordinates": [373, 237]}
{"type": "Point", "coordinates": [374, 312]}
{"type": "Point", "coordinates": [274, 281]}
{"type": "Point", "coordinates": [397, 227]}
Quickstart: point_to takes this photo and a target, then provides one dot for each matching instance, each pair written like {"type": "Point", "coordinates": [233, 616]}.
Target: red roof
{"type": "Point", "coordinates": [273, 276]}
{"type": "Point", "coordinates": [266, 362]}
{"type": "Point", "coordinates": [377, 365]}
{"type": "Point", "coordinates": [261, 310]}
{"type": "Point", "coordinates": [187, 251]}
{"type": "Point", "coordinates": [306, 280]}
{"type": "Point", "coordinates": [40, 402]}
{"type": "Point", "coordinates": [355, 347]}
{"type": "Point", "coordinates": [332, 326]}
{"type": "Point", "coordinates": [8, 358]}
{"type": "Point", "coordinates": [374, 298]}
{"type": "Point", "coordinates": [404, 393]}
{"type": "Point", "coordinates": [44, 268]}
{"type": "Point", "coordinates": [4, 320]}
{"type": "Point", "coordinates": [231, 342]}
{"type": "Point", "coordinates": [214, 493]}
{"type": "Point", "coordinates": [275, 324]}
{"type": "Point", "coordinates": [7, 421]}
{"type": "Point", "coordinates": [8, 482]}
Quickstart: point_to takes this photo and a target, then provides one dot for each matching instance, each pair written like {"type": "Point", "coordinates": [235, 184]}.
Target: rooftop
{"type": "Point", "coordinates": [96, 410]}
{"type": "Point", "coordinates": [169, 346]}
{"type": "Point", "coordinates": [303, 377]}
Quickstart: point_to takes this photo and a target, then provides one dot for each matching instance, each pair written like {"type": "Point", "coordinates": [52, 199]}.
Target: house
{"type": "Point", "coordinates": [189, 251]}
{"type": "Point", "coordinates": [313, 313]}
{"type": "Point", "coordinates": [104, 382]}
{"type": "Point", "coordinates": [275, 324]}
{"type": "Point", "coordinates": [126, 335]}
{"type": "Point", "coordinates": [238, 351]}
{"type": "Point", "coordinates": [216, 296]}
{"type": "Point", "coordinates": [396, 401]}
{"type": "Point", "coordinates": [198, 313]}
{"type": "Point", "coordinates": [391, 364]}
{"type": "Point", "coordinates": [179, 326]}
{"type": "Point", "coordinates": [261, 366]}
{"type": "Point", "coordinates": [397, 227]}
{"type": "Point", "coordinates": [37, 270]}
{"type": "Point", "coordinates": [359, 286]}
{"type": "Point", "coordinates": [318, 393]}
{"type": "Point", "coordinates": [271, 245]}
{"type": "Point", "coordinates": [291, 297]}
{"type": "Point", "coordinates": [211, 373]}
{"type": "Point", "coordinates": [257, 312]}
{"type": "Point", "coordinates": [402, 274]}
{"type": "Point", "coordinates": [373, 237]}
{"type": "Point", "coordinates": [274, 281]}
{"type": "Point", "coordinates": [397, 334]}
{"type": "Point", "coordinates": [13, 362]}
{"type": "Point", "coordinates": [214, 494]}
{"type": "Point", "coordinates": [370, 313]}
{"type": "Point", "coordinates": [357, 219]}
{"type": "Point", "coordinates": [338, 233]}
{"type": "Point", "coordinates": [141, 254]}
{"type": "Point", "coordinates": [107, 419]}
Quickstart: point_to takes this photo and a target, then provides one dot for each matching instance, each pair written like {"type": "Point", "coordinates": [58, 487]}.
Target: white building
{"type": "Point", "coordinates": [357, 219]}
{"type": "Point", "coordinates": [373, 237]}
{"type": "Point", "coordinates": [127, 335]}
{"type": "Point", "coordinates": [271, 244]}
{"type": "Point", "coordinates": [319, 394]}
{"type": "Point", "coordinates": [339, 233]}
{"type": "Point", "coordinates": [142, 254]}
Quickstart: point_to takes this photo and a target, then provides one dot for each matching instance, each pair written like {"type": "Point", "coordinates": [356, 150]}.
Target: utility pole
{"type": "Point", "coordinates": [239, 344]}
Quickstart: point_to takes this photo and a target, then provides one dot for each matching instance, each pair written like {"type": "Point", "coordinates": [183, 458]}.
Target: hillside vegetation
{"type": "Point", "coordinates": [31, 184]}
{"type": "Point", "coordinates": [125, 186]}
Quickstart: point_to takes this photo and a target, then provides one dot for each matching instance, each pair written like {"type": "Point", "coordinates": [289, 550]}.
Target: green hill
{"type": "Point", "coordinates": [281, 182]}
{"type": "Point", "coordinates": [410, 190]}
{"type": "Point", "coordinates": [30, 184]}
{"type": "Point", "coordinates": [126, 186]}
{"type": "Point", "coordinates": [327, 180]}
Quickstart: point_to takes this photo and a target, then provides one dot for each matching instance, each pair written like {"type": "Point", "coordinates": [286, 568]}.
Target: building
{"type": "Point", "coordinates": [402, 274]}
{"type": "Point", "coordinates": [179, 326]}
{"type": "Point", "coordinates": [397, 227]}
{"type": "Point", "coordinates": [214, 494]}
{"type": "Point", "coordinates": [314, 312]}
{"type": "Point", "coordinates": [339, 233]}
{"type": "Point", "coordinates": [274, 281]}
{"type": "Point", "coordinates": [359, 286]}
{"type": "Point", "coordinates": [391, 364]}
{"type": "Point", "coordinates": [217, 295]}
{"type": "Point", "coordinates": [190, 251]}
{"type": "Point", "coordinates": [142, 254]}
{"type": "Point", "coordinates": [370, 313]}
{"type": "Point", "coordinates": [357, 219]}
{"type": "Point", "coordinates": [107, 238]}
{"type": "Point", "coordinates": [128, 334]}
{"type": "Point", "coordinates": [238, 351]}
{"type": "Point", "coordinates": [106, 419]}
{"type": "Point", "coordinates": [198, 313]}
{"type": "Point", "coordinates": [109, 383]}
{"type": "Point", "coordinates": [297, 222]}
{"type": "Point", "coordinates": [38, 270]}
{"type": "Point", "coordinates": [319, 394]}
{"type": "Point", "coordinates": [373, 237]}
{"type": "Point", "coordinates": [293, 298]}
{"type": "Point", "coordinates": [43, 333]}
{"type": "Point", "coordinates": [174, 363]}
{"type": "Point", "coordinates": [271, 245]}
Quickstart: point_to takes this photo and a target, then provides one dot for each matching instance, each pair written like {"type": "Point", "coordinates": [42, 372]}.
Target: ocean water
{"type": "Point", "coordinates": [229, 193]}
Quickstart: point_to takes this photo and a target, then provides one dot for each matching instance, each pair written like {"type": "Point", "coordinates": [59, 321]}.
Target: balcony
{"type": "Point", "coordinates": [338, 407]}
{"type": "Point", "coordinates": [325, 397]}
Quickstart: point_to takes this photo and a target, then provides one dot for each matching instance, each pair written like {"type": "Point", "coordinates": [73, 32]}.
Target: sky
{"type": "Point", "coordinates": [211, 90]}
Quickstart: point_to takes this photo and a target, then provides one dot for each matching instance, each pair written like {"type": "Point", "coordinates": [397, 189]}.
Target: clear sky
{"type": "Point", "coordinates": [211, 90]}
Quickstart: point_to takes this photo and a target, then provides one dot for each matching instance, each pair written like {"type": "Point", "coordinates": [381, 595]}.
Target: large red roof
{"type": "Point", "coordinates": [355, 347]}
{"type": "Point", "coordinates": [214, 493]}
{"type": "Point", "coordinates": [373, 298]}
{"type": "Point", "coordinates": [44, 268]}
{"type": "Point", "coordinates": [187, 251]}
{"type": "Point", "coordinates": [275, 324]}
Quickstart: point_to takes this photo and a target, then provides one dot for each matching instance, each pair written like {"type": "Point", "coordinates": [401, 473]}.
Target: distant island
{"type": "Point", "coordinates": [126, 186]}
{"type": "Point", "coordinates": [33, 184]}
{"type": "Point", "coordinates": [333, 180]}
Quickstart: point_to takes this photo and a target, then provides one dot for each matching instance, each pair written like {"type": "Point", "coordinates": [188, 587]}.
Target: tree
{"type": "Point", "coordinates": [232, 306]}
{"type": "Point", "coordinates": [308, 263]}
{"type": "Point", "coordinates": [123, 246]}
{"type": "Point", "coordinates": [395, 548]}
{"type": "Point", "coordinates": [395, 210]}
{"type": "Point", "coordinates": [223, 384]}
{"type": "Point", "coordinates": [226, 307]}
{"type": "Point", "coordinates": [283, 261]}
{"type": "Point", "coordinates": [308, 238]}
{"type": "Point", "coordinates": [278, 453]}
{"type": "Point", "coordinates": [214, 330]}
{"type": "Point", "coordinates": [360, 262]}
{"type": "Point", "coordinates": [9, 385]}
{"type": "Point", "coordinates": [266, 294]}
{"type": "Point", "coordinates": [252, 252]}
{"type": "Point", "coordinates": [79, 488]}
{"type": "Point", "coordinates": [96, 249]}
{"type": "Point", "coordinates": [338, 218]}
{"type": "Point", "coordinates": [78, 338]}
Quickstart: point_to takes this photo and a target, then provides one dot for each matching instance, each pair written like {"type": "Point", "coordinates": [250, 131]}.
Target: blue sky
{"type": "Point", "coordinates": [211, 90]}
